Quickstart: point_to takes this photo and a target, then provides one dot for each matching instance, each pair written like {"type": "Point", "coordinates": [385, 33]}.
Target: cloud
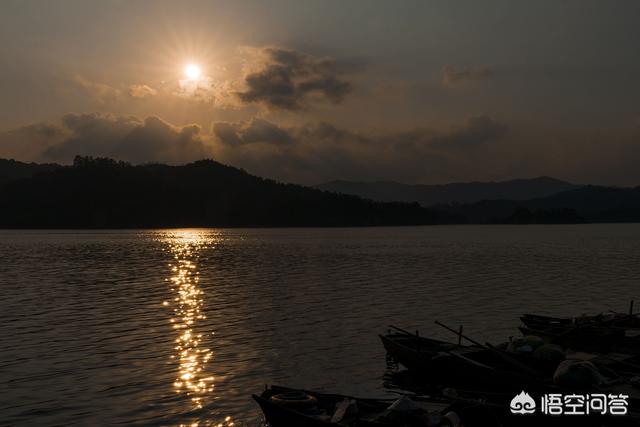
{"type": "Point", "coordinates": [141, 91]}
{"type": "Point", "coordinates": [318, 152]}
{"type": "Point", "coordinates": [275, 77]}
{"type": "Point", "coordinates": [102, 92]}
{"type": "Point", "coordinates": [255, 131]}
{"type": "Point", "coordinates": [327, 131]}
{"type": "Point", "coordinates": [122, 137]}
{"type": "Point", "coordinates": [308, 153]}
{"type": "Point", "coordinates": [28, 142]}
{"type": "Point", "coordinates": [479, 148]}
{"type": "Point", "coordinates": [286, 79]}
{"type": "Point", "coordinates": [158, 141]}
{"type": "Point", "coordinates": [453, 77]}
{"type": "Point", "coordinates": [204, 90]}
{"type": "Point", "coordinates": [91, 134]}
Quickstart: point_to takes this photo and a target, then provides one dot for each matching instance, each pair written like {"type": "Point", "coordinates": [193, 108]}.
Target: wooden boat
{"type": "Point", "coordinates": [600, 336]}
{"type": "Point", "coordinates": [286, 407]}
{"type": "Point", "coordinates": [468, 409]}
{"type": "Point", "coordinates": [607, 330]}
{"type": "Point", "coordinates": [469, 366]}
{"type": "Point", "coordinates": [522, 362]}
{"type": "Point", "coordinates": [610, 319]}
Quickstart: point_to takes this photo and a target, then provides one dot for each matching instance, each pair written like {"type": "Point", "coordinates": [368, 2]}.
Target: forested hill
{"type": "Point", "coordinates": [12, 169]}
{"type": "Point", "coordinates": [103, 193]}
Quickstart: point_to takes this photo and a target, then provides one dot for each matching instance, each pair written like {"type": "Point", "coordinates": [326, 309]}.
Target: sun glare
{"type": "Point", "coordinates": [192, 71]}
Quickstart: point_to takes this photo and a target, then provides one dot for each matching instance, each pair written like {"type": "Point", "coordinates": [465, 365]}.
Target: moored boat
{"type": "Point", "coordinates": [604, 332]}
{"type": "Point", "coordinates": [469, 366]}
{"type": "Point", "coordinates": [608, 319]}
{"type": "Point", "coordinates": [287, 407]}
{"type": "Point", "coordinates": [589, 336]}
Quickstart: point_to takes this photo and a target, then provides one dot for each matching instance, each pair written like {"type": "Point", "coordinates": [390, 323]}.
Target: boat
{"type": "Point", "coordinates": [526, 361]}
{"type": "Point", "coordinates": [600, 333]}
{"type": "Point", "coordinates": [288, 407]}
{"type": "Point", "coordinates": [449, 364]}
{"type": "Point", "coordinates": [608, 319]}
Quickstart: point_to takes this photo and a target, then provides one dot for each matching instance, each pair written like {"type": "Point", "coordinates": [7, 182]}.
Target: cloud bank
{"type": "Point", "coordinates": [479, 148]}
{"type": "Point", "coordinates": [122, 137]}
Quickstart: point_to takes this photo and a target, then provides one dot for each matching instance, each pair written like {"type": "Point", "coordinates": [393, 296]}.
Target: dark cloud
{"type": "Point", "coordinates": [122, 137]}
{"type": "Point", "coordinates": [28, 142]}
{"type": "Point", "coordinates": [452, 76]}
{"type": "Point", "coordinates": [255, 131]}
{"type": "Point", "coordinates": [285, 78]}
{"type": "Point", "coordinates": [91, 134]}
{"type": "Point", "coordinates": [227, 133]}
{"type": "Point", "coordinates": [481, 148]}
{"type": "Point", "coordinates": [319, 152]}
{"type": "Point", "coordinates": [158, 141]}
{"type": "Point", "coordinates": [309, 153]}
{"type": "Point", "coordinates": [327, 131]}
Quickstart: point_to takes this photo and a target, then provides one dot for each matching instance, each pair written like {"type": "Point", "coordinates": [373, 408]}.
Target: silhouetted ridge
{"type": "Point", "coordinates": [107, 193]}
{"type": "Point", "coordinates": [586, 204]}
{"type": "Point", "coordinates": [11, 169]}
{"type": "Point", "coordinates": [462, 192]}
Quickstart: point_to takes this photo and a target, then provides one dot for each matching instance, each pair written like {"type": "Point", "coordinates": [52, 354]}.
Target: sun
{"type": "Point", "coordinates": [192, 71]}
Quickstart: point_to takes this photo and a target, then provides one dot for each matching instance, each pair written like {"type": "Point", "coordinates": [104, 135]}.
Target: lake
{"type": "Point", "coordinates": [175, 327]}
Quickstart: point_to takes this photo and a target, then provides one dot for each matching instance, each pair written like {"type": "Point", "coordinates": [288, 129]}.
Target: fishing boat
{"type": "Point", "coordinates": [600, 334]}
{"type": "Point", "coordinates": [287, 407]}
{"type": "Point", "coordinates": [526, 361]}
{"type": "Point", "coordinates": [613, 319]}
{"type": "Point", "coordinates": [475, 365]}
{"type": "Point", "coordinates": [603, 332]}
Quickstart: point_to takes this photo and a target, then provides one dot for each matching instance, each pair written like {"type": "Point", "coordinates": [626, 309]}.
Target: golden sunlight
{"type": "Point", "coordinates": [192, 358]}
{"type": "Point", "coordinates": [192, 72]}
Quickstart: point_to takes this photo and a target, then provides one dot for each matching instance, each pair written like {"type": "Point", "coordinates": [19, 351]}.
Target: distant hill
{"type": "Point", "coordinates": [428, 195]}
{"type": "Point", "coordinates": [585, 204]}
{"type": "Point", "coordinates": [103, 193]}
{"type": "Point", "coordinates": [11, 169]}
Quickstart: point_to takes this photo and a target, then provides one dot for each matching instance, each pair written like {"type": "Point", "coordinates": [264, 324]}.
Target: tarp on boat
{"type": "Point", "coordinates": [404, 404]}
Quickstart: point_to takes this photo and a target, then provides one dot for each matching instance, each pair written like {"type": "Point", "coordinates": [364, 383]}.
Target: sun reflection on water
{"type": "Point", "coordinates": [193, 379]}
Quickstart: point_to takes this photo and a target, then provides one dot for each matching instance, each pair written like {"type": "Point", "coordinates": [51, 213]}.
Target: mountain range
{"type": "Point", "coordinates": [462, 192]}
{"type": "Point", "coordinates": [104, 193]}
{"type": "Point", "coordinates": [589, 203]}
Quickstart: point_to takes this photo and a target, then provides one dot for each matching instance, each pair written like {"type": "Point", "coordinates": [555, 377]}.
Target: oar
{"type": "Point", "coordinates": [402, 330]}
{"type": "Point", "coordinates": [459, 334]}
{"type": "Point", "coordinates": [467, 360]}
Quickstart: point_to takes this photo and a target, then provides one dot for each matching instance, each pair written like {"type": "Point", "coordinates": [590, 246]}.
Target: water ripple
{"type": "Point", "coordinates": [179, 327]}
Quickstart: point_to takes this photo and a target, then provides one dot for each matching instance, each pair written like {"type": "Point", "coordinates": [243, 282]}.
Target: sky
{"type": "Point", "coordinates": [312, 91]}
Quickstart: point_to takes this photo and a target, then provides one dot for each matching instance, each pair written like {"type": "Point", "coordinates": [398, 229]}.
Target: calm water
{"type": "Point", "coordinates": [176, 327]}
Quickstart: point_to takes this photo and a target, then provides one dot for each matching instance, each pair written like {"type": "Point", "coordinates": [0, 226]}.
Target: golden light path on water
{"type": "Point", "coordinates": [193, 379]}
